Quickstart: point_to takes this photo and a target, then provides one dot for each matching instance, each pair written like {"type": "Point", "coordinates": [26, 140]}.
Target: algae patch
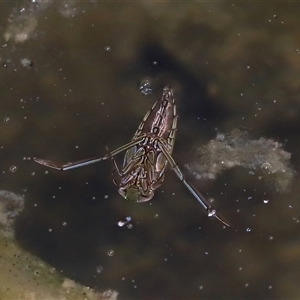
{"type": "Point", "coordinates": [24, 276]}
{"type": "Point", "coordinates": [264, 157]}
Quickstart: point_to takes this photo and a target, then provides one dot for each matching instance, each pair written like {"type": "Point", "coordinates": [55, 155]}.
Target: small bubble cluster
{"type": "Point", "coordinates": [126, 221]}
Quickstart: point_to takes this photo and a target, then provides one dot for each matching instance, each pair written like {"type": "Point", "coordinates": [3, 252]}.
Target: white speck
{"type": "Point", "coordinates": [99, 269]}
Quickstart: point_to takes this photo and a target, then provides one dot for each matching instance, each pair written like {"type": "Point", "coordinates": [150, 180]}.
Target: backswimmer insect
{"type": "Point", "coordinates": [148, 156]}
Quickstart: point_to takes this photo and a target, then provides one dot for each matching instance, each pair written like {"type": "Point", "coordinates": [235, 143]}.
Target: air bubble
{"type": "Point", "coordinates": [107, 48]}
{"type": "Point", "coordinates": [248, 229]}
{"type": "Point", "coordinates": [110, 252]}
{"type": "Point", "coordinates": [121, 223]}
{"type": "Point", "coordinates": [266, 168]}
{"type": "Point", "coordinates": [145, 87]}
{"type": "Point", "coordinates": [105, 197]}
{"type": "Point", "coordinates": [266, 201]}
{"type": "Point", "coordinates": [6, 119]}
{"type": "Point", "coordinates": [13, 169]}
{"type": "Point", "coordinates": [52, 270]}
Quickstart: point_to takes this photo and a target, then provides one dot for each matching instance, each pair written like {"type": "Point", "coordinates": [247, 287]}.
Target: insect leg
{"type": "Point", "coordinates": [113, 161]}
{"type": "Point", "coordinates": [211, 212]}
{"type": "Point", "coordinates": [70, 165]}
{"type": "Point", "coordinates": [88, 161]}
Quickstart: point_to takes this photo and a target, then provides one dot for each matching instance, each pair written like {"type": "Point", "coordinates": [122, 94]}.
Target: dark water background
{"type": "Point", "coordinates": [232, 65]}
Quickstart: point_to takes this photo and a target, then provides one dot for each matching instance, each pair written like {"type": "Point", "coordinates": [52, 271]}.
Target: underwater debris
{"type": "Point", "coordinates": [264, 156]}
{"type": "Point", "coordinates": [24, 276]}
{"type": "Point", "coordinates": [20, 30]}
{"type": "Point", "coordinates": [11, 205]}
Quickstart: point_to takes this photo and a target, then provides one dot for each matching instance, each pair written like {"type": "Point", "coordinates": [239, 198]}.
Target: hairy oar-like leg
{"type": "Point", "coordinates": [210, 210]}
{"type": "Point", "coordinates": [88, 161]}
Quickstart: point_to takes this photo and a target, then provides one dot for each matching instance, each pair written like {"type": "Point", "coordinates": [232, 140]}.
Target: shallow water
{"type": "Point", "coordinates": [70, 81]}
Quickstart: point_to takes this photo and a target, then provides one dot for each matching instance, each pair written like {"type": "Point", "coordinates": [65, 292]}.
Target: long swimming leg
{"type": "Point", "coordinates": [88, 161]}
{"type": "Point", "coordinates": [210, 210]}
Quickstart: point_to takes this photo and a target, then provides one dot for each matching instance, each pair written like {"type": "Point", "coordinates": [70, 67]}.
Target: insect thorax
{"type": "Point", "coordinates": [143, 170]}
